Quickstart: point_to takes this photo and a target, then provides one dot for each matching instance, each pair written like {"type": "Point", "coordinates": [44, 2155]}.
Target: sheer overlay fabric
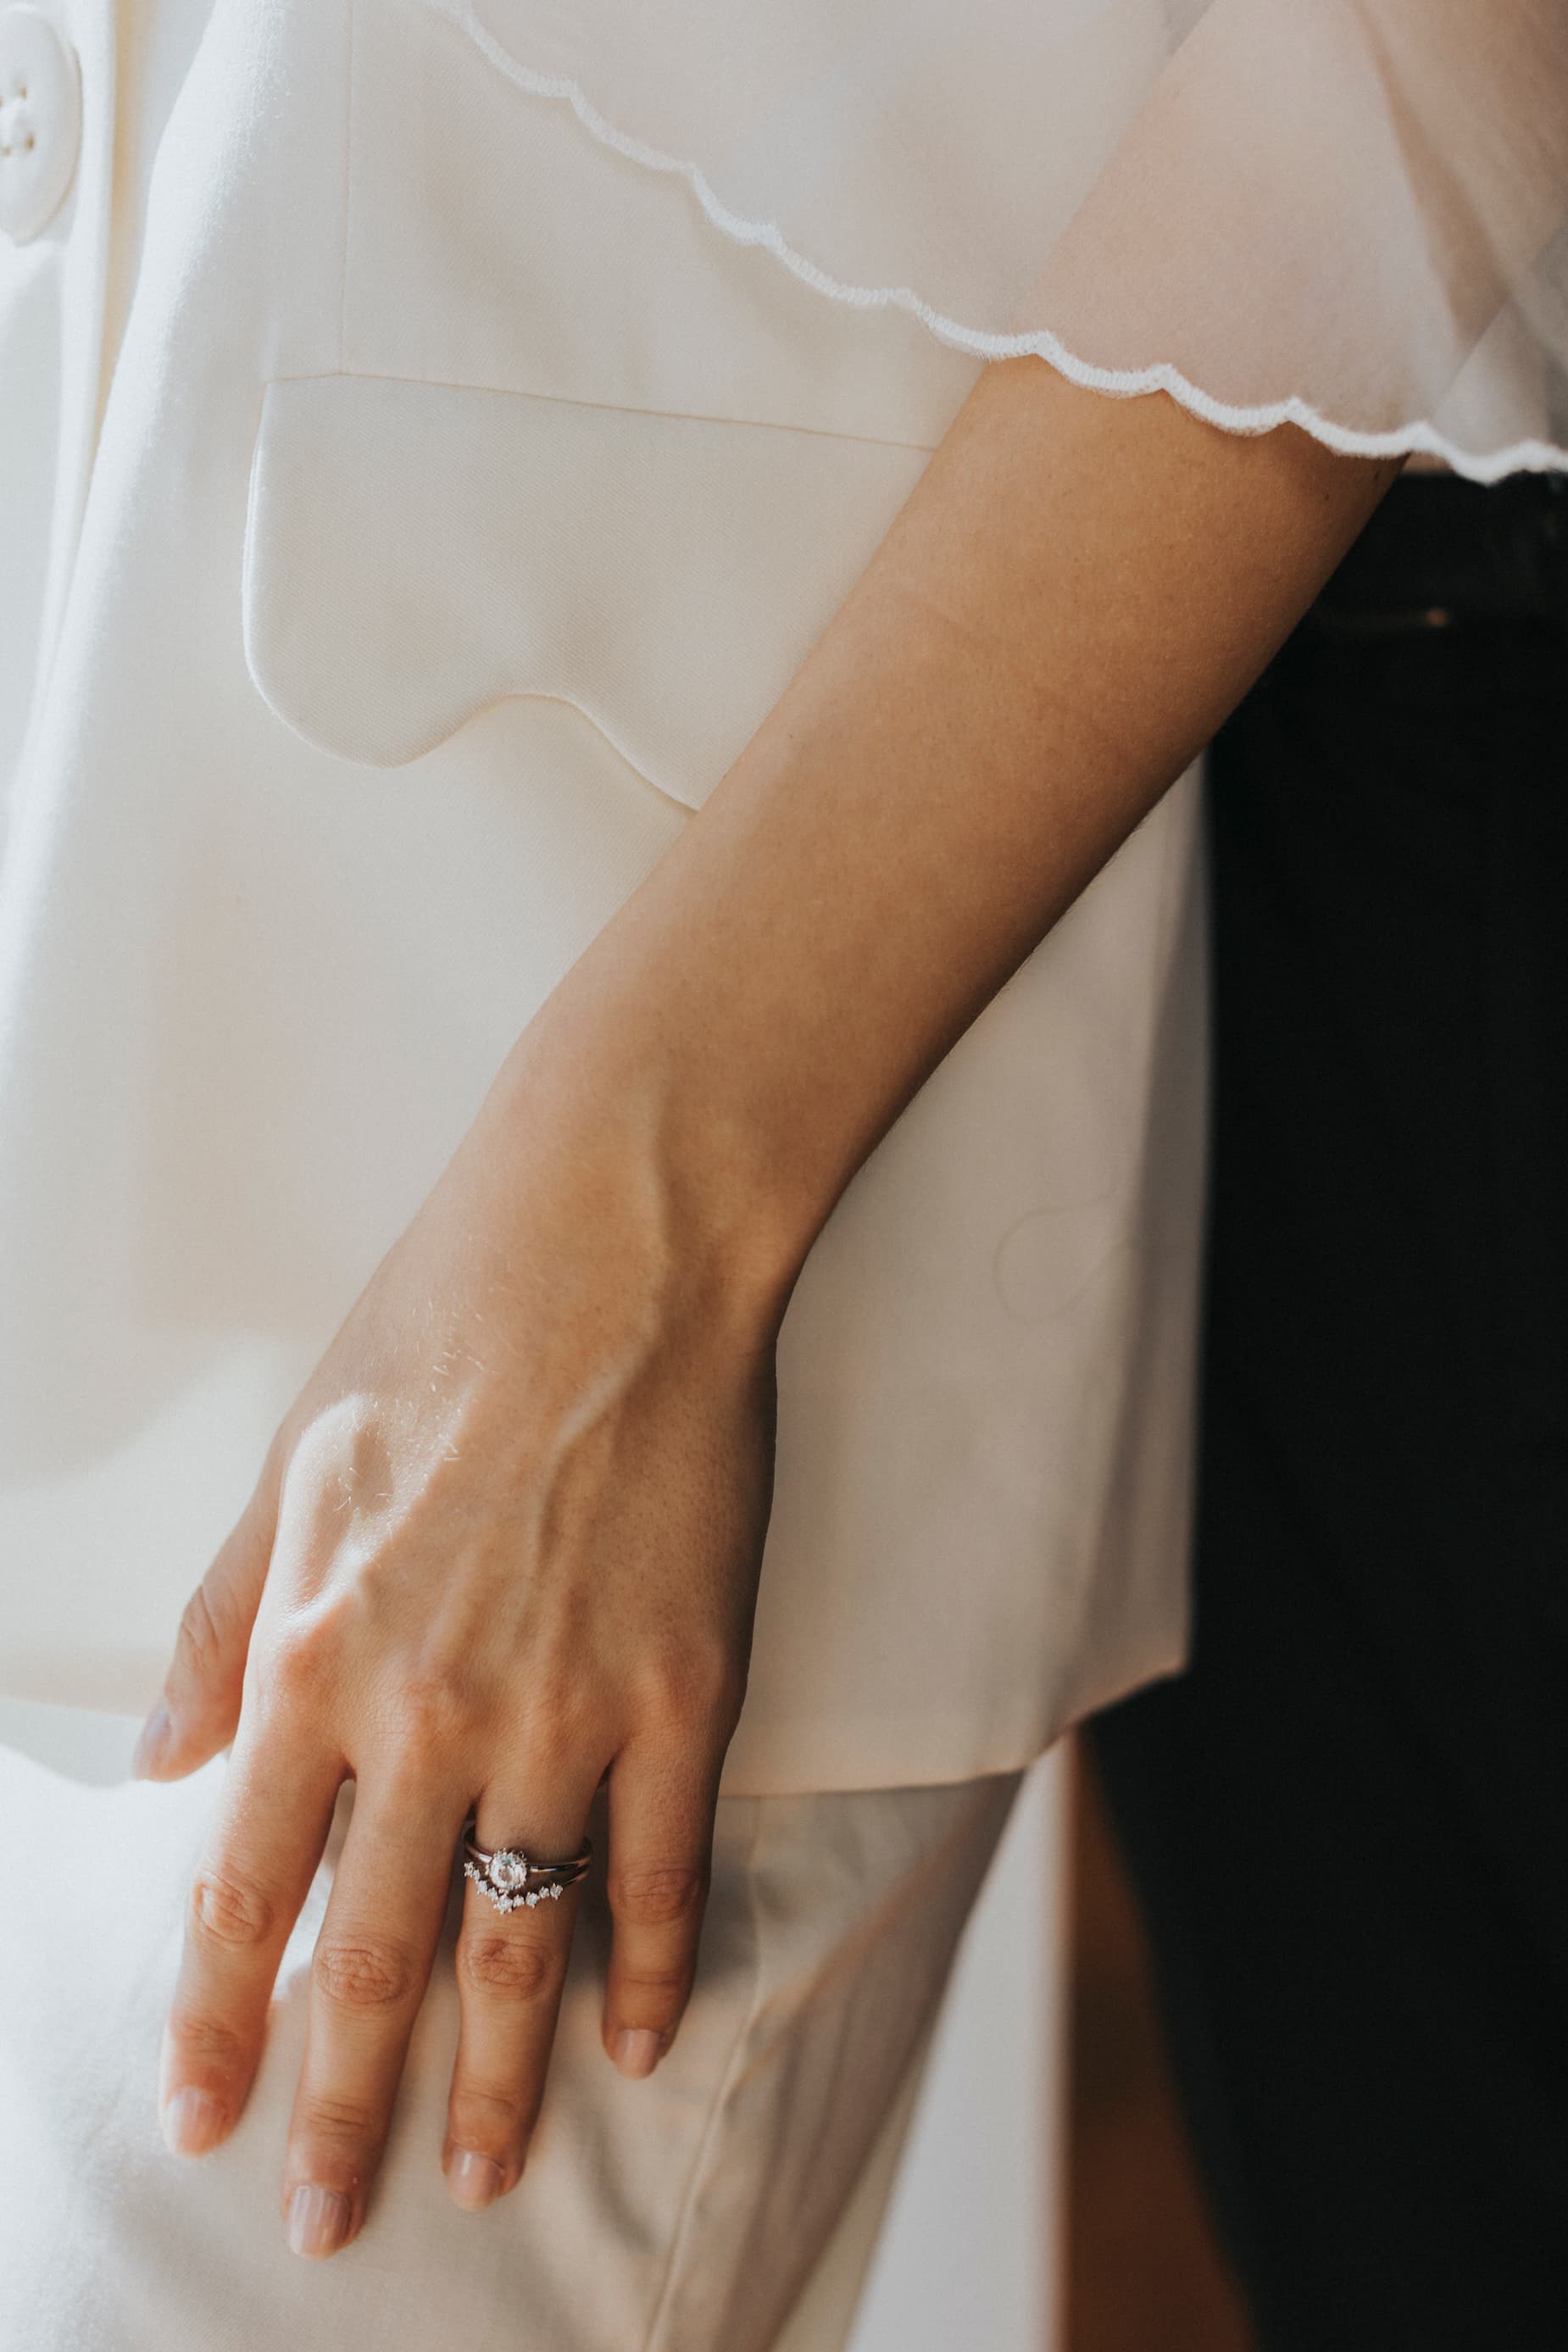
{"type": "Point", "coordinates": [1348, 214]}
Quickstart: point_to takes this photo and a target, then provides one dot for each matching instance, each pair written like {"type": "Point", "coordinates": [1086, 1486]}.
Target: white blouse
{"type": "Point", "coordinates": [425, 485]}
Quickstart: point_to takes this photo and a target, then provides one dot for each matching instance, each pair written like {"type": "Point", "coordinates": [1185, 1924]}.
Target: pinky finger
{"type": "Point", "coordinates": [660, 1859]}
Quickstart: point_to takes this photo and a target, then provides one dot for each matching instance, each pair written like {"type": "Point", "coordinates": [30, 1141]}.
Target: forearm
{"type": "Point", "coordinates": [1075, 593]}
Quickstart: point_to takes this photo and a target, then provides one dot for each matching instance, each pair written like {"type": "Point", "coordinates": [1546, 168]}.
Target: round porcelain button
{"type": "Point", "coordinates": [40, 121]}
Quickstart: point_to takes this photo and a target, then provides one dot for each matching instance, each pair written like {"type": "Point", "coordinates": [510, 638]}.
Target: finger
{"type": "Point", "coordinates": [662, 1844]}
{"type": "Point", "coordinates": [199, 1709]}
{"type": "Point", "coordinates": [273, 1820]}
{"type": "Point", "coordinates": [371, 1964]}
{"type": "Point", "coordinates": [512, 1967]}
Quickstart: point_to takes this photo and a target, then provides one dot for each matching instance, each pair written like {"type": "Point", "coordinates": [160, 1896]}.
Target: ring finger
{"type": "Point", "coordinates": [512, 1967]}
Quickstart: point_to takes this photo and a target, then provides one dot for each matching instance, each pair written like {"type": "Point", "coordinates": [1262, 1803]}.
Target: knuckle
{"type": "Point", "coordinates": [697, 1683]}
{"type": "Point", "coordinates": [432, 1716]}
{"type": "Point", "coordinates": [361, 1975]}
{"type": "Point", "coordinates": [653, 1995]}
{"type": "Point", "coordinates": [515, 1967]}
{"type": "Point", "coordinates": [207, 2043]}
{"type": "Point", "coordinates": [657, 1894]}
{"type": "Point", "coordinates": [560, 1704]}
{"type": "Point", "coordinates": [330, 2119]}
{"type": "Point", "coordinates": [229, 1910]}
{"type": "Point", "coordinates": [482, 2116]}
{"type": "Point", "coordinates": [485, 2118]}
{"type": "Point", "coordinates": [298, 1665]}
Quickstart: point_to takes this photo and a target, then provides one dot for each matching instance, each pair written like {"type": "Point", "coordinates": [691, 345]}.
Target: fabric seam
{"type": "Point", "coordinates": [346, 375]}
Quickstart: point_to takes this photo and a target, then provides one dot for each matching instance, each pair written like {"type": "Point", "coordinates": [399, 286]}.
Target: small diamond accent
{"type": "Point", "coordinates": [505, 1881]}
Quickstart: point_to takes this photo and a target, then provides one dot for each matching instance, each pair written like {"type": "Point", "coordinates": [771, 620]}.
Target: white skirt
{"type": "Point", "coordinates": [728, 2204]}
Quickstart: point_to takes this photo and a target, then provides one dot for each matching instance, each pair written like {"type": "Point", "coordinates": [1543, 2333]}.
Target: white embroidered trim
{"type": "Point", "coordinates": [1519, 456]}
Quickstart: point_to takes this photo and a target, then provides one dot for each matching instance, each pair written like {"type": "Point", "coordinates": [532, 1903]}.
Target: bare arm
{"type": "Point", "coordinates": [506, 1542]}
{"type": "Point", "coordinates": [1078, 592]}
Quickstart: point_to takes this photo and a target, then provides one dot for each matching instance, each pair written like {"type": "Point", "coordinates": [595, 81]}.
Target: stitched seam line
{"type": "Point", "coordinates": [615, 407]}
{"type": "Point", "coordinates": [700, 2164]}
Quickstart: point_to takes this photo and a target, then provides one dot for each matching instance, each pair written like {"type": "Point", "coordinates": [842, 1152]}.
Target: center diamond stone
{"type": "Point", "coordinates": [508, 1872]}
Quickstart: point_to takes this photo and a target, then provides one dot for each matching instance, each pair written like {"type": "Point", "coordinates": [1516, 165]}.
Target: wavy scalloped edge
{"type": "Point", "coordinates": [1405, 440]}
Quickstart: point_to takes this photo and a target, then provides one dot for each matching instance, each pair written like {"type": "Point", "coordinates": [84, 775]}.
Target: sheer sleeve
{"type": "Point", "coordinates": [1351, 213]}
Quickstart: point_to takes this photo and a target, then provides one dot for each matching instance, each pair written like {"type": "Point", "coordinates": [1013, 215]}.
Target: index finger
{"type": "Point", "coordinates": [271, 1827]}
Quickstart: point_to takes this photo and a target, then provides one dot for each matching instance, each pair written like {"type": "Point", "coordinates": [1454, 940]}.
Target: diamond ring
{"type": "Point", "coordinates": [509, 1877]}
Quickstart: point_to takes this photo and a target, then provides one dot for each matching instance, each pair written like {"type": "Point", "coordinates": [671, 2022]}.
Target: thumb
{"type": "Point", "coordinates": [200, 1707]}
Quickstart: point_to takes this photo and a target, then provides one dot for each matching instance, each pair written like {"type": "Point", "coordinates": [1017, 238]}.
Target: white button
{"type": "Point", "coordinates": [40, 121]}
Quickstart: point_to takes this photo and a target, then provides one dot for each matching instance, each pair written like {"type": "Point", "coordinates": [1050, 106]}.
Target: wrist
{"type": "Point", "coordinates": [628, 1138]}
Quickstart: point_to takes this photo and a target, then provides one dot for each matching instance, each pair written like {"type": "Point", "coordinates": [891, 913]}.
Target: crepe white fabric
{"type": "Point", "coordinates": [729, 2204]}
{"type": "Point", "coordinates": [430, 504]}
{"type": "Point", "coordinates": [1350, 213]}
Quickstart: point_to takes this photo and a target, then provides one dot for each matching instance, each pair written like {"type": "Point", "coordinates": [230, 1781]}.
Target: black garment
{"type": "Point", "coordinates": [1348, 1823]}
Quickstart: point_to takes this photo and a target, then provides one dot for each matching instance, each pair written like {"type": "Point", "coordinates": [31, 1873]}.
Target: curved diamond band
{"type": "Point", "coordinates": [511, 1878]}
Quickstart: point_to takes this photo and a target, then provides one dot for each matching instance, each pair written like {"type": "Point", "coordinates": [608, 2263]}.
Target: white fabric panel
{"type": "Point", "coordinates": [526, 552]}
{"type": "Point", "coordinates": [982, 2164]}
{"type": "Point", "coordinates": [378, 625]}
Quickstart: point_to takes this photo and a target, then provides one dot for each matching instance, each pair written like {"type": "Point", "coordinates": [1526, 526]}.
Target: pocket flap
{"type": "Point", "coordinates": [415, 553]}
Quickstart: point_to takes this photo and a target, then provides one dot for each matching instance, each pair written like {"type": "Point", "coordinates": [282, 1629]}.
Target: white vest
{"type": "Point", "coordinates": [412, 510]}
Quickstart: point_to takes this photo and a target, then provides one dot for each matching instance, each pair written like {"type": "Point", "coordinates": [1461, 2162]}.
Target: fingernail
{"type": "Point", "coordinates": [154, 1738]}
{"type": "Point", "coordinates": [638, 2051]}
{"type": "Point", "coordinates": [317, 2221]}
{"type": "Point", "coordinates": [473, 2181]}
{"type": "Point", "coordinates": [192, 2122]}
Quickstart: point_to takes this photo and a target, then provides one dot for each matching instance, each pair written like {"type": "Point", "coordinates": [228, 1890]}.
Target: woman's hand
{"type": "Point", "coordinates": [508, 1538]}
{"type": "Point", "coordinates": [506, 1543]}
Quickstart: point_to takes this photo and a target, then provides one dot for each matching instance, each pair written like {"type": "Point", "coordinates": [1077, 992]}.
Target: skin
{"type": "Point", "coordinates": [506, 1544]}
